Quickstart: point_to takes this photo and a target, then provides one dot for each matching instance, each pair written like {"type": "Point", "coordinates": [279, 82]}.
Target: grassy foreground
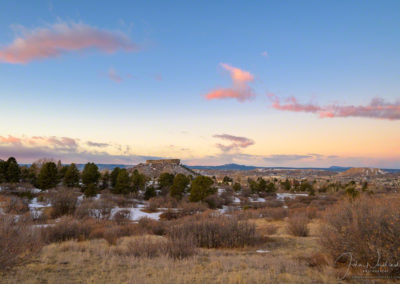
{"type": "Point", "coordinates": [289, 260]}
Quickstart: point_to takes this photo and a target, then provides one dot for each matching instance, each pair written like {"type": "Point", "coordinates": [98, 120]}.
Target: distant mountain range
{"type": "Point", "coordinates": [236, 167]}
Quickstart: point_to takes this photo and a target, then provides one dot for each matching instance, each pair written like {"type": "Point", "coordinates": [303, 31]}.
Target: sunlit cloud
{"type": "Point", "coordinates": [28, 149]}
{"type": "Point", "coordinates": [60, 38]}
{"type": "Point", "coordinates": [378, 108]}
{"type": "Point", "coordinates": [10, 140]}
{"type": "Point", "coordinates": [237, 142]}
{"type": "Point", "coordinates": [240, 90]}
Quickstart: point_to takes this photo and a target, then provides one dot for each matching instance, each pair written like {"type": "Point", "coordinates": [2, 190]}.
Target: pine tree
{"type": "Point", "coordinates": [13, 171]}
{"type": "Point", "coordinates": [47, 176]}
{"type": "Point", "coordinates": [201, 188]}
{"type": "Point", "coordinates": [179, 186]}
{"type": "Point", "coordinates": [123, 182]}
{"type": "Point", "coordinates": [90, 174]}
{"type": "Point", "coordinates": [71, 177]}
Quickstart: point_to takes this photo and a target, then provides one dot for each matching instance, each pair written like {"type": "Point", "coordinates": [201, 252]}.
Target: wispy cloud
{"type": "Point", "coordinates": [237, 142]}
{"type": "Point", "coordinates": [265, 54]}
{"type": "Point", "coordinates": [112, 74]}
{"type": "Point", "coordinates": [240, 90]}
{"type": "Point", "coordinates": [97, 144]}
{"type": "Point", "coordinates": [60, 38]}
{"type": "Point", "coordinates": [378, 108]}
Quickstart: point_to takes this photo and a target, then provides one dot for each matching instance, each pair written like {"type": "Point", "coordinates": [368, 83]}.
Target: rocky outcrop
{"type": "Point", "coordinates": [153, 168]}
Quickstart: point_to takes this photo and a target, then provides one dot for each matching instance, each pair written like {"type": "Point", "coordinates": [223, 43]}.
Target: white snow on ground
{"type": "Point", "coordinates": [262, 251]}
{"type": "Point", "coordinates": [221, 190]}
{"type": "Point", "coordinates": [236, 200]}
{"type": "Point", "coordinates": [137, 213]}
{"type": "Point", "coordinates": [35, 190]}
{"type": "Point", "coordinates": [224, 209]}
{"type": "Point", "coordinates": [80, 198]}
{"type": "Point", "coordinates": [259, 199]}
{"type": "Point", "coordinates": [36, 208]}
{"type": "Point", "coordinates": [282, 196]}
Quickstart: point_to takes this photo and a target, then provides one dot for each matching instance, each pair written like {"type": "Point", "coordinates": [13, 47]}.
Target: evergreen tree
{"type": "Point", "coordinates": [138, 181]}
{"type": "Point", "coordinates": [149, 193]}
{"type": "Point", "coordinates": [123, 182]}
{"type": "Point", "coordinates": [71, 176]}
{"type": "Point", "coordinates": [201, 188]}
{"type": "Point", "coordinates": [253, 185]}
{"type": "Point", "coordinates": [33, 173]}
{"type": "Point", "coordinates": [47, 176]}
{"type": "Point", "coordinates": [105, 180]}
{"type": "Point", "coordinates": [286, 185]}
{"type": "Point", "coordinates": [3, 171]}
{"type": "Point", "coordinates": [13, 170]}
{"type": "Point", "coordinates": [179, 186]}
{"type": "Point", "coordinates": [165, 180]}
{"type": "Point", "coordinates": [90, 174]}
{"type": "Point", "coordinates": [236, 186]}
{"type": "Point", "coordinates": [114, 175]}
{"type": "Point", "coordinates": [90, 190]}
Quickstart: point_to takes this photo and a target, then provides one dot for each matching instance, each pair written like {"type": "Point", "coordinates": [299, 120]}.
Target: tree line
{"type": "Point", "coordinates": [46, 174]}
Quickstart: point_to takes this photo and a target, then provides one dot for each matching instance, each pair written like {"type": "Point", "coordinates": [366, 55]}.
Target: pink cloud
{"type": "Point", "coordinates": [240, 89]}
{"type": "Point", "coordinates": [237, 142]}
{"type": "Point", "coordinates": [61, 38]}
{"type": "Point", "coordinates": [10, 140]}
{"type": "Point", "coordinates": [112, 74]}
{"type": "Point", "coordinates": [265, 54]}
{"type": "Point", "coordinates": [377, 108]}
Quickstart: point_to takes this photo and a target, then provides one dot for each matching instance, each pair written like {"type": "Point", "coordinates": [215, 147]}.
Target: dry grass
{"type": "Point", "coordinates": [215, 232]}
{"type": "Point", "coordinates": [97, 262]}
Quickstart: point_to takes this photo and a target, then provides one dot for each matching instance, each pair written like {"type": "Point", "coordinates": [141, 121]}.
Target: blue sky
{"type": "Point", "coordinates": [320, 52]}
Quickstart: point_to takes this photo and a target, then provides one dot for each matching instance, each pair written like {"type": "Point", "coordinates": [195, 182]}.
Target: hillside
{"type": "Point", "coordinates": [367, 172]}
{"type": "Point", "coordinates": [153, 168]}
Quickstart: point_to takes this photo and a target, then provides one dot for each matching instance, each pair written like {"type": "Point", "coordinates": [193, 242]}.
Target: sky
{"type": "Point", "coordinates": [265, 83]}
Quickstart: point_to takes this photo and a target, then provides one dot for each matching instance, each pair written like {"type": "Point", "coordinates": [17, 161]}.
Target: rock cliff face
{"type": "Point", "coordinates": [153, 168]}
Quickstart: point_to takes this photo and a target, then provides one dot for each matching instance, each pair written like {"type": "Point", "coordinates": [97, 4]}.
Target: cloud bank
{"type": "Point", "coordinates": [378, 108]}
{"type": "Point", "coordinates": [61, 38]}
{"type": "Point", "coordinates": [29, 149]}
{"type": "Point", "coordinates": [240, 90]}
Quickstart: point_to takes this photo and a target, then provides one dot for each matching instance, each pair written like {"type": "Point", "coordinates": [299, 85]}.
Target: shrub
{"type": "Point", "coordinates": [63, 203]}
{"type": "Point", "coordinates": [180, 248]}
{"type": "Point", "coordinates": [17, 239]}
{"type": "Point", "coordinates": [298, 225]}
{"type": "Point", "coordinates": [122, 216]}
{"type": "Point", "coordinates": [191, 208]}
{"type": "Point", "coordinates": [214, 201]}
{"type": "Point", "coordinates": [152, 226]}
{"type": "Point", "coordinates": [367, 228]}
{"type": "Point", "coordinates": [16, 205]}
{"type": "Point", "coordinates": [216, 232]}
{"type": "Point", "coordinates": [66, 229]}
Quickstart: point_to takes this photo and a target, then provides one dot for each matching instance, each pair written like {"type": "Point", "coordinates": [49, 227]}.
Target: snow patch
{"type": "Point", "coordinates": [282, 196]}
